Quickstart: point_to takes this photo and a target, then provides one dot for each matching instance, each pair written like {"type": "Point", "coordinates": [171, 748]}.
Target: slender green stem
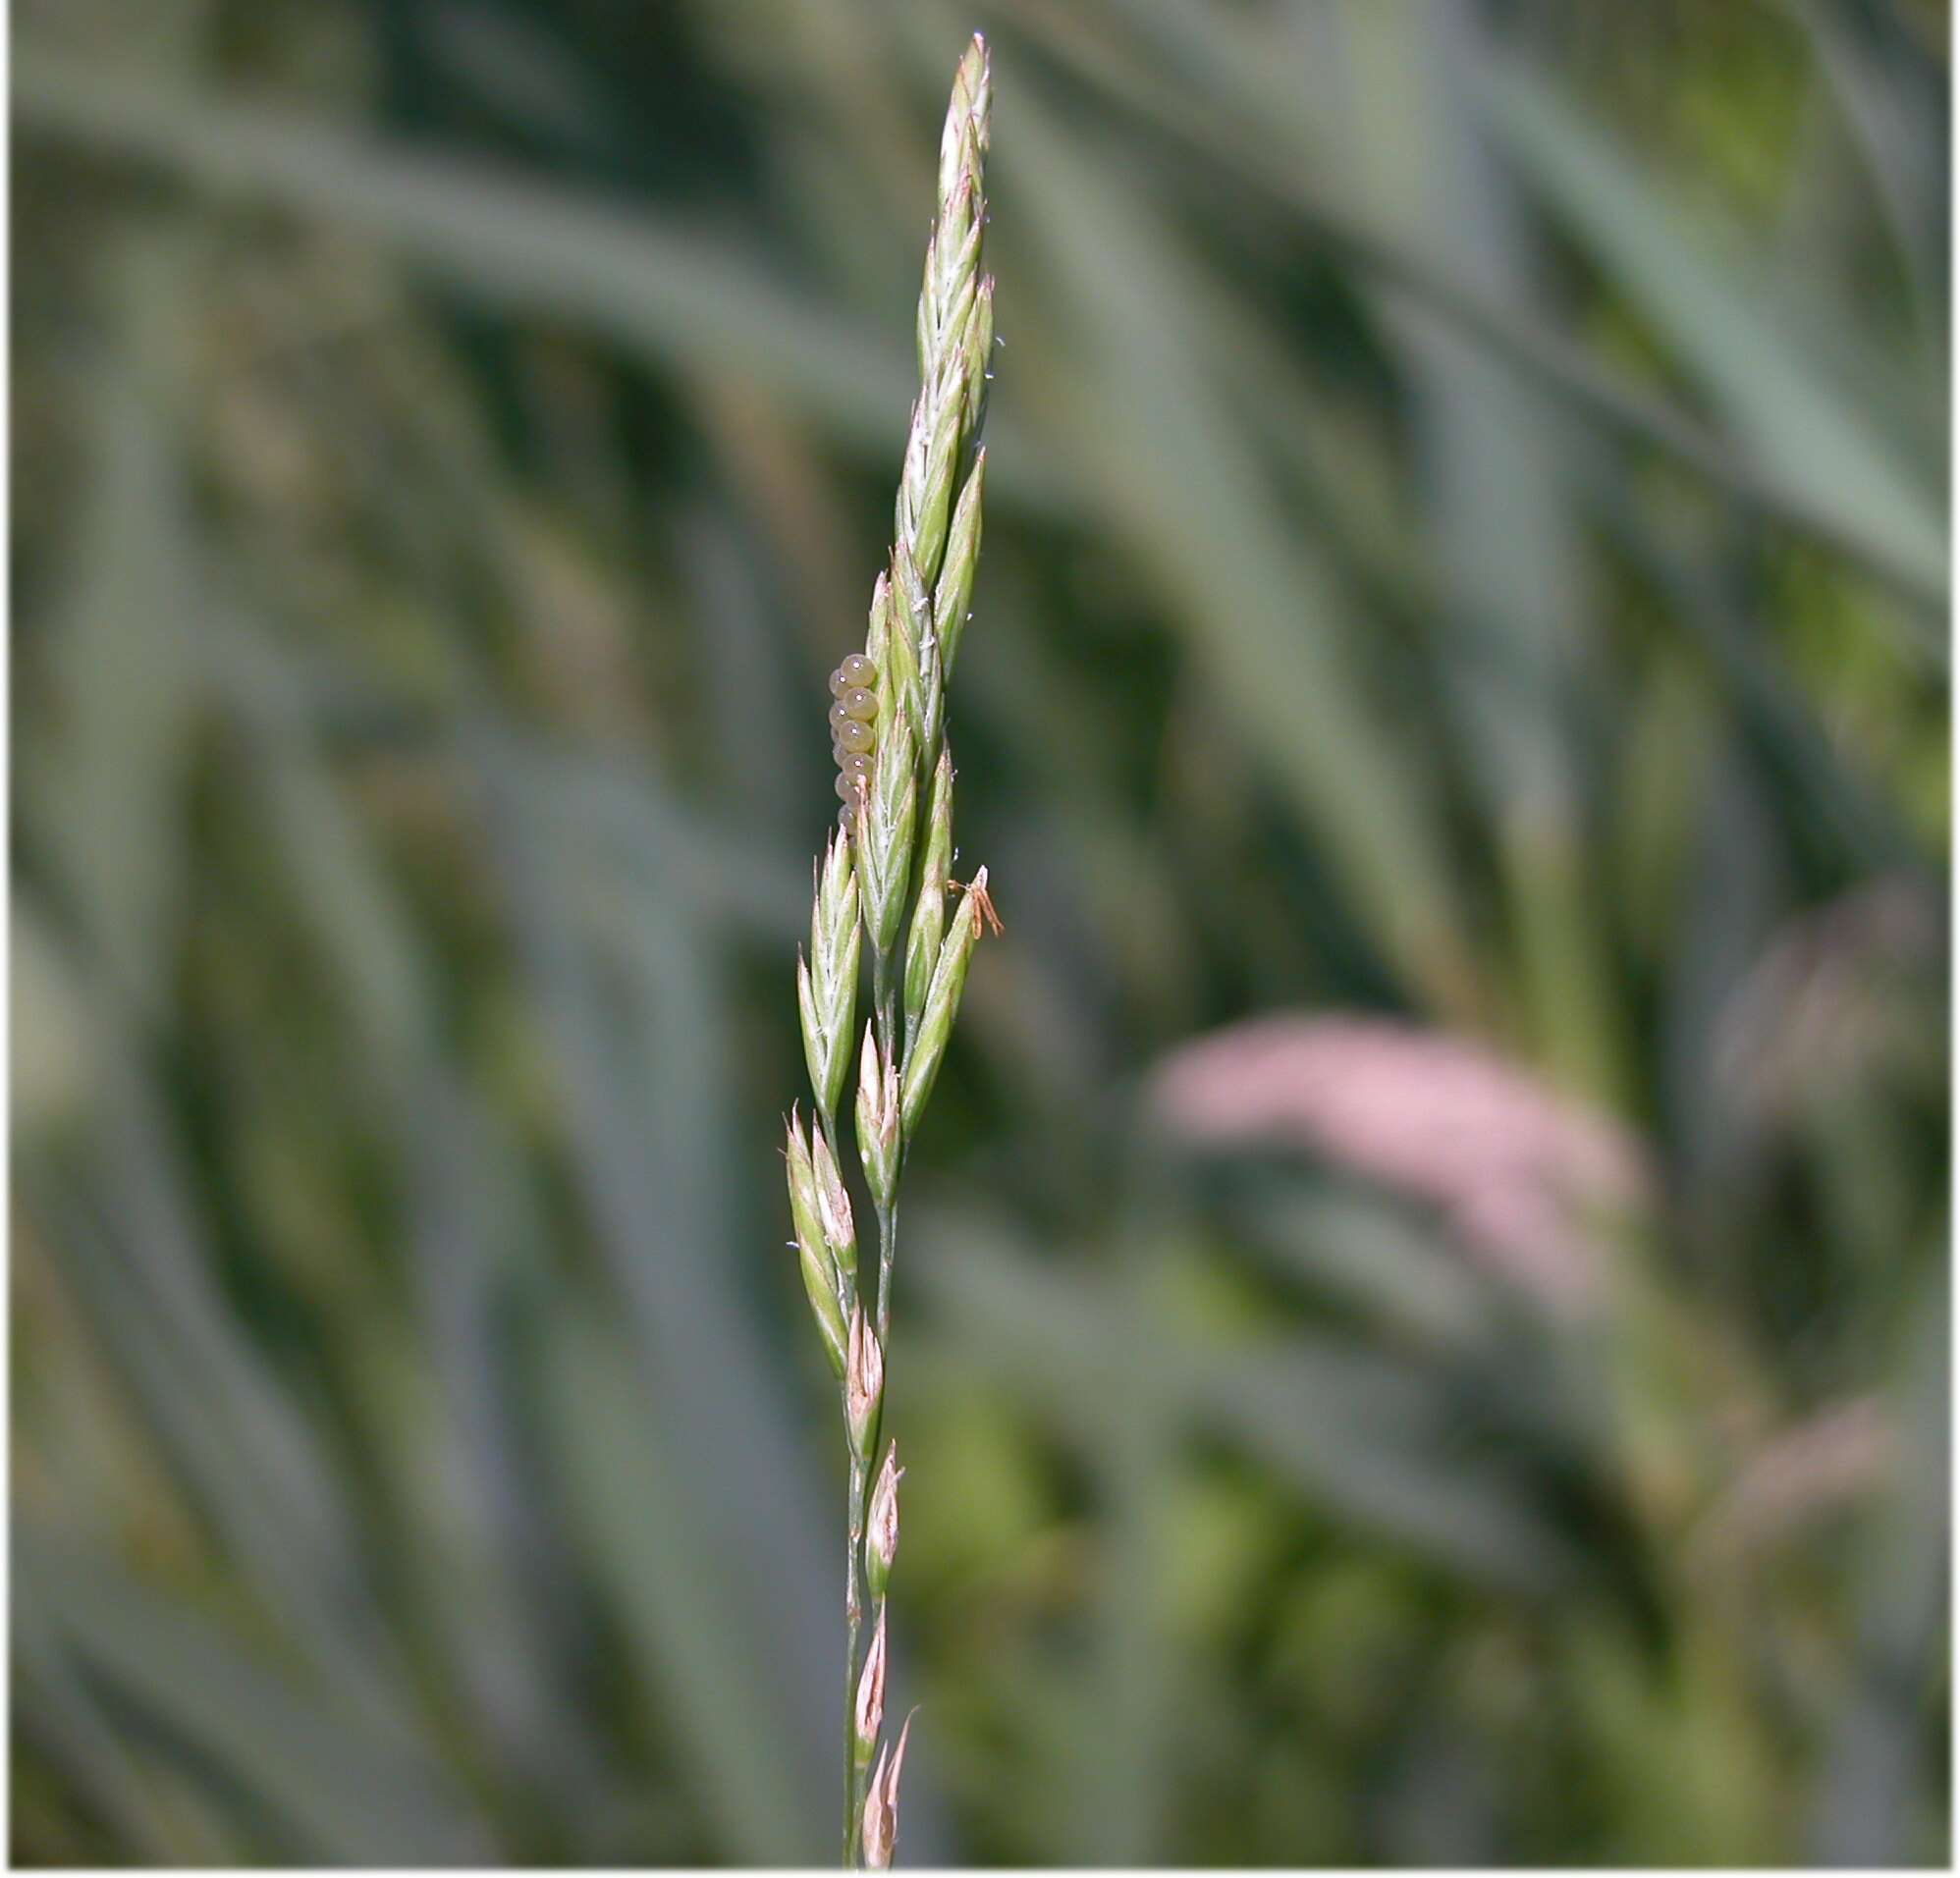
{"type": "Point", "coordinates": [887, 1244]}
{"type": "Point", "coordinates": [853, 1616]}
{"type": "Point", "coordinates": [885, 1019]}
{"type": "Point", "coordinates": [884, 1026]}
{"type": "Point", "coordinates": [853, 1603]}
{"type": "Point", "coordinates": [884, 1022]}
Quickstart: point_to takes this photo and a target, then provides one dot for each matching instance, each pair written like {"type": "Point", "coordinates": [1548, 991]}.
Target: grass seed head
{"type": "Point", "coordinates": [953, 595]}
{"type": "Point", "coordinates": [880, 620]}
{"type": "Point", "coordinates": [827, 988]}
{"type": "Point", "coordinates": [820, 1283]}
{"type": "Point", "coordinates": [878, 1127]}
{"type": "Point", "coordinates": [886, 824]}
{"type": "Point", "coordinates": [833, 1204]}
{"type": "Point", "coordinates": [914, 667]}
{"type": "Point", "coordinates": [929, 915]}
{"type": "Point", "coordinates": [964, 136]}
{"type": "Point", "coordinates": [881, 1536]}
{"type": "Point", "coordinates": [868, 1715]}
{"type": "Point", "coordinates": [881, 1803]}
{"type": "Point", "coordinates": [948, 981]}
{"type": "Point", "coordinates": [802, 1184]}
{"type": "Point", "coordinates": [863, 1384]}
{"type": "Point", "coordinates": [888, 728]}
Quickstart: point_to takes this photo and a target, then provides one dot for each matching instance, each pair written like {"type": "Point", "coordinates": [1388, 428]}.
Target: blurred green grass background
{"type": "Point", "coordinates": [1467, 550]}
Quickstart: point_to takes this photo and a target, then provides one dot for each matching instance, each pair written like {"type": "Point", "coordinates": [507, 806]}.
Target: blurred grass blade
{"type": "Point", "coordinates": [1493, 455]}
{"type": "Point", "coordinates": [332, 1792]}
{"type": "Point", "coordinates": [630, 1005]}
{"type": "Point", "coordinates": [54, 1704]}
{"type": "Point", "coordinates": [1376, 1439]}
{"type": "Point", "coordinates": [634, 1498]}
{"type": "Point", "coordinates": [1366, 1435]}
{"type": "Point", "coordinates": [1904, 1609]}
{"type": "Point", "coordinates": [1258, 602]}
{"type": "Point", "coordinates": [123, 649]}
{"type": "Point", "coordinates": [302, 1574]}
{"type": "Point", "coordinates": [1266, 133]}
{"type": "Point", "coordinates": [1769, 704]}
{"type": "Point", "coordinates": [519, 68]}
{"type": "Point", "coordinates": [676, 290]}
{"type": "Point", "coordinates": [1894, 99]}
{"type": "Point", "coordinates": [1370, 1252]}
{"type": "Point", "coordinates": [1802, 434]}
{"type": "Point", "coordinates": [466, 1209]}
{"type": "Point", "coordinates": [679, 294]}
{"type": "Point", "coordinates": [736, 873]}
{"type": "Point", "coordinates": [735, 877]}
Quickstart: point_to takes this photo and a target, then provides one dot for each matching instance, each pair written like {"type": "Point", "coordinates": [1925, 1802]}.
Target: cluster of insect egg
{"type": "Point", "coordinates": [852, 738]}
